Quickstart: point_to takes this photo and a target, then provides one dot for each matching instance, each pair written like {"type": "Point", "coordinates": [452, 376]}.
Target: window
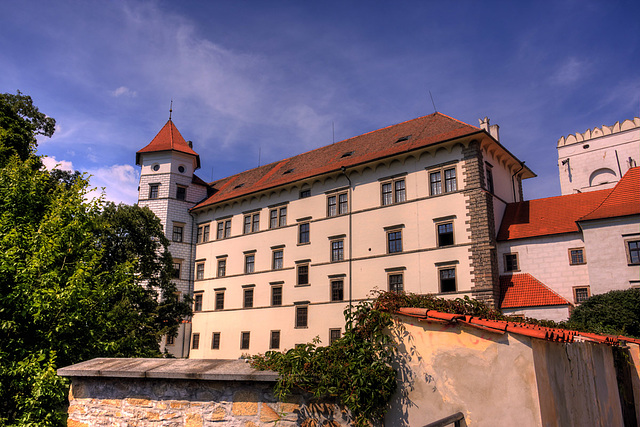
{"type": "Point", "coordinates": [511, 262]}
{"type": "Point", "coordinates": [244, 340]}
{"type": "Point", "coordinates": [197, 302]}
{"type": "Point", "coordinates": [278, 217]}
{"type": "Point", "coordinates": [153, 191]}
{"type": "Point", "coordinates": [219, 300]}
{"type": "Point", "coordinates": [274, 342]}
{"type": "Point", "coordinates": [581, 294]}
{"type": "Point", "coordinates": [200, 271]}
{"type": "Point", "coordinates": [215, 341]}
{"type": "Point", "coordinates": [222, 267]}
{"type": "Point", "coordinates": [489, 179]}
{"type": "Point", "coordinates": [276, 295]}
{"type": "Point", "coordinates": [445, 234]}
{"type": "Point", "coordinates": [302, 312]}
{"type": "Point", "coordinates": [303, 233]}
{"type": "Point", "coordinates": [435, 181]}
{"type": "Point", "coordinates": [337, 290]}
{"type": "Point", "coordinates": [633, 252]}
{"type": "Point", "coordinates": [203, 234]}
{"type": "Point", "coordinates": [224, 229]}
{"type": "Point", "coordinates": [251, 223]}
{"type": "Point", "coordinates": [177, 233]}
{"type": "Point", "coordinates": [393, 192]}
{"type": "Point", "coordinates": [305, 193]}
{"type": "Point", "coordinates": [171, 340]}
{"type": "Point", "coordinates": [181, 192]}
{"type": "Point", "coordinates": [303, 274]}
{"type": "Point", "coordinates": [249, 263]}
{"type": "Point", "coordinates": [394, 241]}
{"type": "Point", "coordinates": [248, 298]}
{"type": "Point", "coordinates": [447, 280]}
{"type": "Point", "coordinates": [337, 204]}
{"type": "Point", "coordinates": [337, 250]}
{"type": "Point", "coordinates": [195, 341]}
{"type": "Point", "coordinates": [396, 283]}
{"type": "Point", "coordinates": [278, 259]}
{"type": "Point", "coordinates": [334, 335]}
{"type": "Point", "coordinates": [576, 256]}
{"type": "Point", "coordinates": [176, 270]}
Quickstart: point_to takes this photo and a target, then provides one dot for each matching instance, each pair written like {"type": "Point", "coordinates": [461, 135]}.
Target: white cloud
{"type": "Point", "coordinates": [120, 183]}
{"type": "Point", "coordinates": [50, 163]}
{"type": "Point", "coordinates": [124, 91]}
{"type": "Point", "coordinates": [570, 71]}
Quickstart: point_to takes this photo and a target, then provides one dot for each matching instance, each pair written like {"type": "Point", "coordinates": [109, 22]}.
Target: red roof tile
{"type": "Point", "coordinates": [524, 290]}
{"type": "Point", "coordinates": [623, 200]}
{"type": "Point", "coordinates": [400, 138]}
{"type": "Point", "coordinates": [553, 215]}
{"type": "Point", "coordinates": [169, 138]}
{"type": "Point", "coordinates": [520, 328]}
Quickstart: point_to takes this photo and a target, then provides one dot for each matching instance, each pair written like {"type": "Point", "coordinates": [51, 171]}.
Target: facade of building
{"type": "Point", "coordinates": [598, 158]}
{"type": "Point", "coordinates": [283, 249]}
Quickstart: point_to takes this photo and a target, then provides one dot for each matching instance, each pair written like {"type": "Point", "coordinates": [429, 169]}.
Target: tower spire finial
{"type": "Point", "coordinates": [170, 109]}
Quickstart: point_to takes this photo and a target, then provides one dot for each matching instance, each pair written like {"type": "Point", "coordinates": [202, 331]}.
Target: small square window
{"type": "Point", "coordinates": [171, 340]}
{"type": "Point", "coordinates": [511, 262]}
{"type": "Point", "coordinates": [222, 267]}
{"type": "Point", "coordinates": [445, 234]}
{"type": "Point", "coordinates": [302, 312]}
{"type": "Point", "coordinates": [219, 300]}
{"type": "Point", "coordinates": [248, 298]}
{"type": "Point", "coordinates": [633, 252]}
{"type": "Point", "coordinates": [215, 341]}
{"type": "Point", "coordinates": [278, 259]}
{"type": "Point", "coordinates": [337, 290]}
{"type": "Point", "coordinates": [394, 241]}
{"type": "Point", "coordinates": [396, 283]}
{"type": "Point", "coordinates": [303, 233]}
{"type": "Point", "coordinates": [576, 256]}
{"type": "Point", "coordinates": [334, 335]}
{"type": "Point", "coordinates": [274, 342]}
{"type": "Point", "coordinates": [447, 280]}
{"type": "Point", "coordinates": [337, 250]}
{"type": "Point", "coordinates": [181, 192]}
{"type": "Point", "coordinates": [195, 341]}
{"type": "Point", "coordinates": [197, 302]}
{"type": "Point", "coordinates": [200, 271]}
{"type": "Point", "coordinates": [581, 294]}
{"type": "Point", "coordinates": [276, 295]}
{"type": "Point", "coordinates": [178, 231]}
{"type": "Point", "coordinates": [249, 263]}
{"type": "Point", "coordinates": [303, 274]}
{"type": "Point", "coordinates": [153, 191]}
{"type": "Point", "coordinates": [305, 194]}
{"type": "Point", "coordinates": [244, 340]}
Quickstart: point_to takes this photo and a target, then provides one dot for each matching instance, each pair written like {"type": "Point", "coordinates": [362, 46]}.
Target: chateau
{"type": "Point", "coordinates": [274, 255]}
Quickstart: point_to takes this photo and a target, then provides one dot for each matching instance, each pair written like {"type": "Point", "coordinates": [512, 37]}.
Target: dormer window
{"type": "Point", "coordinates": [402, 139]}
{"type": "Point", "coordinates": [347, 154]}
{"type": "Point", "coordinates": [288, 171]}
{"type": "Point", "coordinates": [238, 186]}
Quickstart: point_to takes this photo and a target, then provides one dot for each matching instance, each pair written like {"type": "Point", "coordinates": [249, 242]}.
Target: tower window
{"type": "Point", "coordinates": [181, 192]}
{"type": "Point", "coordinates": [153, 191]}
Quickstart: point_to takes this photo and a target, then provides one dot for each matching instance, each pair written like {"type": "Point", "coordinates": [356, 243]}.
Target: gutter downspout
{"type": "Point", "coordinates": [344, 172]}
{"type": "Point", "coordinates": [192, 256]}
{"type": "Point", "coordinates": [513, 184]}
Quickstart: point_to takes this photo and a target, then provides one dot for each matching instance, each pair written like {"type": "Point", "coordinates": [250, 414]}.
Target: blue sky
{"type": "Point", "coordinates": [250, 77]}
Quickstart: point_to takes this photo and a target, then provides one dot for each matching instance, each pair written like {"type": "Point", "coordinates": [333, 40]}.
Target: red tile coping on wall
{"type": "Point", "coordinates": [523, 290]}
{"type": "Point", "coordinates": [520, 328]}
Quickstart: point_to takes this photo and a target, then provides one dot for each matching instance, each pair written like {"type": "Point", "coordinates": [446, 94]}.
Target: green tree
{"type": "Point", "coordinates": [616, 312]}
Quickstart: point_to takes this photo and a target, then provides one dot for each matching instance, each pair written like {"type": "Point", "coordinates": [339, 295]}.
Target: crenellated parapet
{"type": "Point", "coordinates": [599, 131]}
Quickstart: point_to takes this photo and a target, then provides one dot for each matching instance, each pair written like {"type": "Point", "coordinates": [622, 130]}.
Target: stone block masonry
{"type": "Point", "coordinates": [190, 393]}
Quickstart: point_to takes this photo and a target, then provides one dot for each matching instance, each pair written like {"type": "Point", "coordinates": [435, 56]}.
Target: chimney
{"type": "Point", "coordinates": [190, 144]}
{"type": "Point", "coordinates": [494, 130]}
{"type": "Point", "coordinates": [484, 124]}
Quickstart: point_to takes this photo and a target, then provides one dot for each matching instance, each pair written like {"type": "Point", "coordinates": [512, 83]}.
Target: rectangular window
{"type": "Point", "coordinates": [343, 204]}
{"type": "Point", "coordinates": [489, 179]}
{"type": "Point", "coordinates": [576, 256]}
{"type": "Point", "coordinates": [387, 194]}
{"type": "Point", "coordinates": [399, 191]}
{"type": "Point", "coordinates": [181, 192]}
{"type": "Point", "coordinates": [436, 178]}
{"type": "Point", "coordinates": [227, 228]}
{"type": "Point", "coordinates": [247, 224]}
{"type": "Point", "coordinates": [171, 340]}
{"type": "Point", "coordinates": [219, 300]}
{"type": "Point", "coordinates": [220, 233]}
{"type": "Point", "coordinates": [303, 274]}
{"type": "Point", "coordinates": [337, 250]}
{"type": "Point", "coordinates": [273, 218]}
{"type": "Point", "coordinates": [394, 241]}
{"type": "Point", "coordinates": [337, 290]}
{"type": "Point", "coordinates": [276, 295]}
{"type": "Point", "coordinates": [197, 302]}
{"type": "Point", "coordinates": [511, 262]}
{"type": "Point", "coordinates": [435, 181]}
{"type": "Point", "coordinates": [278, 259]}
{"type": "Point", "coordinates": [303, 233]}
{"type": "Point", "coordinates": [153, 191]}
{"type": "Point", "coordinates": [244, 340]}
{"type": "Point", "coordinates": [252, 223]}
{"type": "Point", "coordinates": [393, 192]}
{"type": "Point", "coordinates": [199, 235]}
{"type": "Point", "coordinates": [249, 263]}
{"type": "Point", "coordinates": [302, 312]}
{"type": "Point", "coordinates": [445, 234]}
{"type": "Point", "coordinates": [278, 217]}
{"type": "Point", "coordinates": [248, 298]}
{"type": "Point", "coordinates": [396, 283]}
{"type": "Point", "coordinates": [633, 252]}
{"type": "Point", "coordinates": [222, 267]}
{"type": "Point", "coordinates": [334, 335]}
{"type": "Point", "coordinates": [195, 341]}
{"type": "Point", "coordinates": [200, 271]}
{"type": "Point", "coordinates": [274, 342]}
{"type": "Point", "coordinates": [331, 206]}
{"type": "Point", "coordinates": [305, 193]}
{"type": "Point", "coordinates": [205, 234]}
{"type": "Point", "coordinates": [581, 294]}
{"type": "Point", "coordinates": [450, 180]}
{"type": "Point", "coordinates": [447, 280]}
{"type": "Point", "coordinates": [176, 270]}
{"type": "Point", "coordinates": [215, 341]}
{"type": "Point", "coordinates": [177, 233]}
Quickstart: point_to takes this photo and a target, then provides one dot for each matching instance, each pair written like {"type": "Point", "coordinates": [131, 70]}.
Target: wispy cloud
{"type": "Point", "coordinates": [124, 91]}
{"type": "Point", "coordinates": [570, 71]}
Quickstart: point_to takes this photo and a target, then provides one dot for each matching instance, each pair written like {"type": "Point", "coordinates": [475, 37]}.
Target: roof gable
{"type": "Point", "coordinates": [524, 290]}
{"type": "Point", "coordinates": [623, 200]}
{"type": "Point", "coordinates": [168, 139]}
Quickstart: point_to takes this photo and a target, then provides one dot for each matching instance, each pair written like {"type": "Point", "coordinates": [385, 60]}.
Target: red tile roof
{"type": "Point", "coordinates": [524, 290]}
{"type": "Point", "coordinates": [623, 200]}
{"type": "Point", "coordinates": [169, 138]}
{"type": "Point", "coordinates": [400, 138]}
{"type": "Point", "coordinates": [553, 215]}
{"type": "Point", "coordinates": [520, 328]}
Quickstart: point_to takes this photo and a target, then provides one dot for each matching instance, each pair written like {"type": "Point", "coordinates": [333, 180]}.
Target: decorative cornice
{"type": "Point", "coordinates": [599, 131]}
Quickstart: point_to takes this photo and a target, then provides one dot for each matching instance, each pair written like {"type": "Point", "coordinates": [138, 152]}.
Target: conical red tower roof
{"type": "Point", "coordinates": [168, 139]}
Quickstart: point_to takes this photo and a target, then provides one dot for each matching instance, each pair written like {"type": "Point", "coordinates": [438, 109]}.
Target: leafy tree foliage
{"type": "Point", "coordinates": [616, 312]}
{"type": "Point", "coordinates": [78, 280]}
